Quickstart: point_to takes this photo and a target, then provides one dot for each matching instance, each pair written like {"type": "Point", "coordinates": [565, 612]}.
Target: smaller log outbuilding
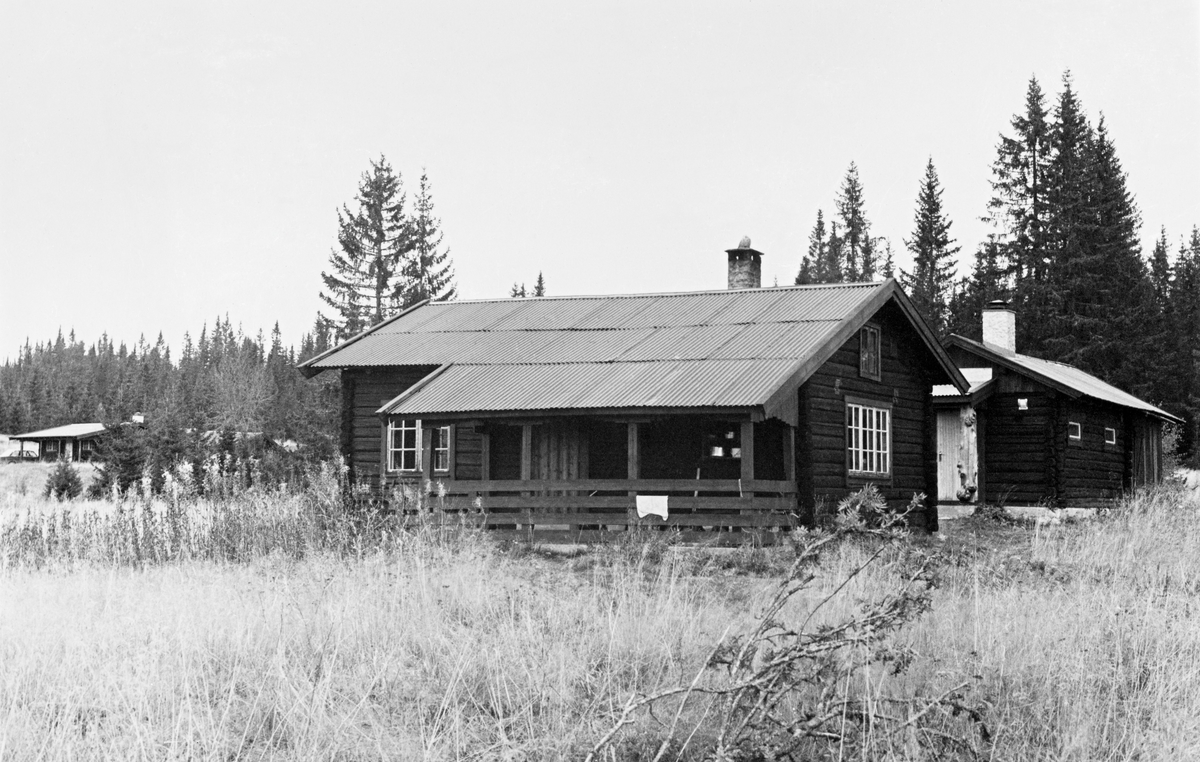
{"type": "Point", "coordinates": [736, 409]}
{"type": "Point", "coordinates": [1035, 432]}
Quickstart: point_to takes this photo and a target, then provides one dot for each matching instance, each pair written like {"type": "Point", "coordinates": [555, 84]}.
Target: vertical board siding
{"type": "Point", "coordinates": [468, 453]}
{"type": "Point", "coordinates": [904, 385]}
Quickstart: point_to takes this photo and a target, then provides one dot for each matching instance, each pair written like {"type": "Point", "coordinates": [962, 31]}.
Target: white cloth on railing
{"type": "Point", "coordinates": [651, 504]}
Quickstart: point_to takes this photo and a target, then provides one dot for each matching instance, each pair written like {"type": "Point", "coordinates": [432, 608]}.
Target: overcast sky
{"type": "Point", "coordinates": [162, 164]}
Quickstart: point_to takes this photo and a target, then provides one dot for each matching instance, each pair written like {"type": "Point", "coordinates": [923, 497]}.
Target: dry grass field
{"type": "Point", "coordinates": [268, 630]}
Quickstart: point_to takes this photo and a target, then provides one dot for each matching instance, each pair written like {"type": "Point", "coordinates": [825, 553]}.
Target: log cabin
{"type": "Point", "coordinates": [74, 441]}
{"type": "Point", "coordinates": [738, 409]}
{"type": "Point", "coordinates": [1034, 432]}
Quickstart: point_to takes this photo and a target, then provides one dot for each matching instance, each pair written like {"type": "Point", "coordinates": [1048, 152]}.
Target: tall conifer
{"type": "Point", "coordinates": [929, 284]}
{"type": "Point", "coordinates": [428, 272]}
{"type": "Point", "coordinates": [858, 248]}
{"type": "Point", "coordinates": [363, 285]}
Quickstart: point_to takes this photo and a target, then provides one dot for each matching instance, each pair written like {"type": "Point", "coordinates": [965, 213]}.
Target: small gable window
{"type": "Point", "coordinates": [868, 352]}
{"type": "Point", "coordinates": [1110, 436]}
{"type": "Point", "coordinates": [1074, 431]}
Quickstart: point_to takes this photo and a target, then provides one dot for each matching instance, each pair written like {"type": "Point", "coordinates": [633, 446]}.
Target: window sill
{"type": "Point", "coordinates": [858, 477]}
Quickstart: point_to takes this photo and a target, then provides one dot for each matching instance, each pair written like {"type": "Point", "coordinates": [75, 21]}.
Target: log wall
{"type": "Point", "coordinates": [365, 390]}
{"type": "Point", "coordinates": [906, 377]}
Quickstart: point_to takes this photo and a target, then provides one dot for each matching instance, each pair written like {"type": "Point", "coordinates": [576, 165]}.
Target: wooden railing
{"type": "Point", "coordinates": [585, 509]}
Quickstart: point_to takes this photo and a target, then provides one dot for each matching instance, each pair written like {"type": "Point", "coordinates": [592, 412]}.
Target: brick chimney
{"type": "Point", "coordinates": [999, 325]}
{"type": "Point", "coordinates": [745, 266]}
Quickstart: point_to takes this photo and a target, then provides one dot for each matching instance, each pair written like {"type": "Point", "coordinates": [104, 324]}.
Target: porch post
{"type": "Point", "coordinates": [789, 454]}
{"type": "Point", "coordinates": [631, 471]}
{"type": "Point", "coordinates": [426, 464]}
{"type": "Point", "coordinates": [526, 452]}
{"type": "Point", "coordinates": [634, 455]}
{"type": "Point", "coordinates": [747, 451]}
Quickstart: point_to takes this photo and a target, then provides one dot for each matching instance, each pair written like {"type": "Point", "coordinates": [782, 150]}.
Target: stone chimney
{"type": "Point", "coordinates": [999, 325]}
{"type": "Point", "coordinates": [745, 266]}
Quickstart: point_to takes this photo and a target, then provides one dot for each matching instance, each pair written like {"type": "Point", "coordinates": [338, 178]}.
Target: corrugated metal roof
{"type": "Point", "coordinates": [69, 431]}
{"type": "Point", "coordinates": [977, 377]}
{"type": "Point", "coordinates": [1070, 377]}
{"type": "Point", "coordinates": [603, 329]}
{"type": "Point", "coordinates": [699, 349]}
{"type": "Point", "coordinates": [682, 383]}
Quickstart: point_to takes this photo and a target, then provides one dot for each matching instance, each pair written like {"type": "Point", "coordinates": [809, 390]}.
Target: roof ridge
{"type": "Point", "coordinates": [565, 297]}
{"type": "Point", "coordinates": [616, 328]}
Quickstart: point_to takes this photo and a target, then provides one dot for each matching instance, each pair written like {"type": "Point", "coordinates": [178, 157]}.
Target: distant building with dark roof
{"type": "Point", "coordinates": [743, 407]}
{"type": "Point", "coordinates": [1031, 431]}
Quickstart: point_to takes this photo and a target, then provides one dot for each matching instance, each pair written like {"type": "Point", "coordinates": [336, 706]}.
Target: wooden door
{"type": "Point", "coordinates": [958, 465]}
{"type": "Point", "coordinates": [949, 440]}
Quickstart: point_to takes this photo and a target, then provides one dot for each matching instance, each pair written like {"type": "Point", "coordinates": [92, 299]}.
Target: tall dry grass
{"type": "Point", "coordinates": [334, 641]}
{"type": "Point", "coordinates": [1085, 643]}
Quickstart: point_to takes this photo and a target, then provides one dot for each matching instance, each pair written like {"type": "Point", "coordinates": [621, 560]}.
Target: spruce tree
{"type": "Point", "coordinates": [929, 284]}
{"type": "Point", "coordinates": [859, 250]}
{"type": "Point", "coordinates": [1160, 270]}
{"type": "Point", "coordinates": [1017, 212]}
{"type": "Point", "coordinates": [985, 284]}
{"type": "Point", "coordinates": [428, 272]}
{"type": "Point", "coordinates": [889, 264]}
{"type": "Point", "coordinates": [830, 268]}
{"type": "Point", "coordinates": [1185, 311]}
{"type": "Point", "coordinates": [815, 257]}
{"type": "Point", "coordinates": [539, 287]}
{"type": "Point", "coordinates": [364, 284]}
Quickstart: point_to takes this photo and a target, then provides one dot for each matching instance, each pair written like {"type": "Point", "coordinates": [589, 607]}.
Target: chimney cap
{"type": "Point", "coordinates": [997, 304]}
{"type": "Point", "coordinates": [743, 247]}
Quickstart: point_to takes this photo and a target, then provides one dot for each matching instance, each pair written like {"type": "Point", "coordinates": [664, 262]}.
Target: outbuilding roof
{"type": "Point", "coordinates": [711, 349]}
{"type": "Point", "coordinates": [69, 431]}
{"type": "Point", "coordinates": [1066, 378]}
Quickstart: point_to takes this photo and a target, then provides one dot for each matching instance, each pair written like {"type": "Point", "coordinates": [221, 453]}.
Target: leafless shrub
{"type": "Point", "coordinates": [796, 686]}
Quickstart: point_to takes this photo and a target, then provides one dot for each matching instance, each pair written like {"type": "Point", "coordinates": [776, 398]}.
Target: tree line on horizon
{"type": "Point", "coordinates": [1063, 251]}
{"type": "Point", "coordinates": [389, 256]}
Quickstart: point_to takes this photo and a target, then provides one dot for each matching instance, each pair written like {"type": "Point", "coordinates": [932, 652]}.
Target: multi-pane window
{"type": "Point", "coordinates": [404, 445]}
{"type": "Point", "coordinates": [868, 352]}
{"type": "Point", "coordinates": [868, 440]}
{"type": "Point", "coordinates": [441, 449]}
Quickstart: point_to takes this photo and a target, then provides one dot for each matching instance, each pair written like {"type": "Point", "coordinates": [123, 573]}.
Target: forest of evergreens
{"type": "Point", "coordinates": [1064, 250]}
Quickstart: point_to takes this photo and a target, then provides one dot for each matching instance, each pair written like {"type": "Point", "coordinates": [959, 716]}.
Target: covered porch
{"type": "Point", "coordinates": [583, 477]}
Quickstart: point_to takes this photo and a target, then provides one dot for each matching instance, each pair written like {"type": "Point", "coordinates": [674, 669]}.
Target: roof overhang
{"type": "Point", "coordinates": [782, 404]}
{"type": "Point", "coordinates": [985, 352]}
{"type": "Point", "coordinates": [308, 368]}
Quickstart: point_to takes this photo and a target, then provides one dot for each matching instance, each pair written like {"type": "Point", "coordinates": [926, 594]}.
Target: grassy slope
{"type": "Point", "coordinates": [1083, 640]}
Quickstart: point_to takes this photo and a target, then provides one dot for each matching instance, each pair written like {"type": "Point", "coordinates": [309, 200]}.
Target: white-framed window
{"type": "Point", "coordinates": [1110, 436]}
{"type": "Point", "coordinates": [1074, 430]}
{"type": "Point", "coordinates": [868, 352]}
{"type": "Point", "coordinates": [404, 445]}
{"type": "Point", "coordinates": [868, 440]}
{"type": "Point", "coordinates": [1022, 403]}
{"type": "Point", "coordinates": [441, 449]}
